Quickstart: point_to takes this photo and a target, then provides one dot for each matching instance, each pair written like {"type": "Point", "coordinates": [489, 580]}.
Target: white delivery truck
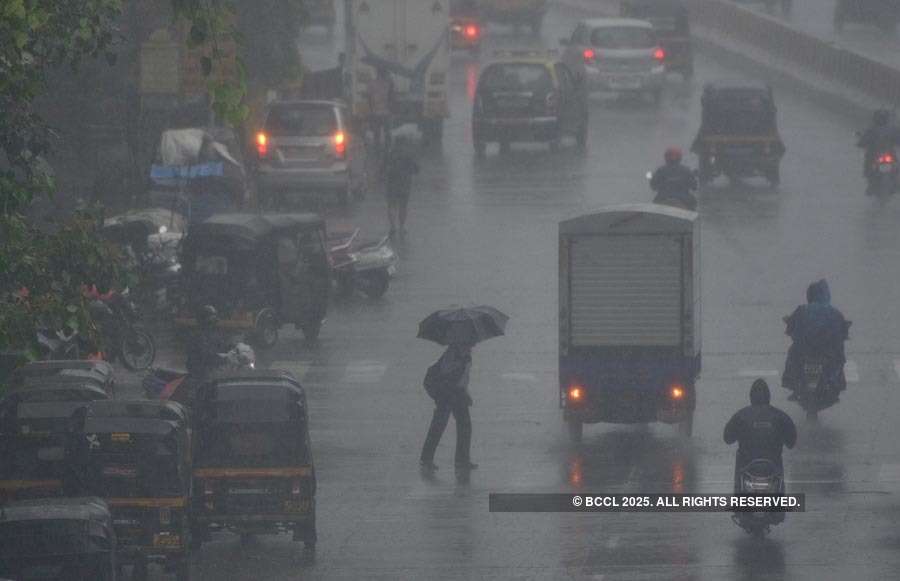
{"type": "Point", "coordinates": [629, 316]}
{"type": "Point", "coordinates": [410, 39]}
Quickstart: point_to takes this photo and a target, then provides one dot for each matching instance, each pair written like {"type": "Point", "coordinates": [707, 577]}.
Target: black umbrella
{"type": "Point", "coordinates": [463, 325]}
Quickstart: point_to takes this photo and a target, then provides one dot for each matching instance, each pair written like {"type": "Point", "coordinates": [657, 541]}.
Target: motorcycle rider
{"type": "Point", "coordinates": [879, 137]}
{"type": "Point", "coordinates": [761, 431]}
{"type": "Point", "coordinates": [816, 328]}
{"type": "Point", "coordinates": [674, 182]}
{"type": "Point", "coordinates": [203, 353]}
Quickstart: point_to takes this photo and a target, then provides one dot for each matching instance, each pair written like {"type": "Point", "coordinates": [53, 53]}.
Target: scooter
{"type": "Point", "coordinates": [760, 478]}
{"type": "Point", "coordinates": [368, 267]}
{"type": "Point", "coordinates": [882, 176]}
{"type": "Point", "coordinates": [819, 384]}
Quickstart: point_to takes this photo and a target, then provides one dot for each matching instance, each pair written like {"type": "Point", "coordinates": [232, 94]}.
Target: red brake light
{"type": "Point", "coordinates": [886, 158]}
{"type": "Point", "coordinates": [659, 54]}
{"type": "Point", "coordinates": [262, 144]}
{"type": "Point", "coordinates": [340, 144]}
{"type": "Point", "coordinates": [589, 55]}
{"type": "Point", "coordinates": [471, 31]}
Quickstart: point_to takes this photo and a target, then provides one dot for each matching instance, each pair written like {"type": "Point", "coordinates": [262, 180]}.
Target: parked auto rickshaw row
{"type": "Point", "coordinates": [116, 482]}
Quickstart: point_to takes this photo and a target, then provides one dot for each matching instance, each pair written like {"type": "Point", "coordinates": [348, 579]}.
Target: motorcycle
{"type": "Point", "coordinates": [368, 267]}
{"type": "Point", "coordinates": [819, 384]}
{"type": "Point", "coordinates": [760, 478]}
{"type": "Point", "coordinates": [882, 176]}
{"type": "Point", "coordinates": [162, 383]}
{"type": "Point", "coordinates": [118, 318]}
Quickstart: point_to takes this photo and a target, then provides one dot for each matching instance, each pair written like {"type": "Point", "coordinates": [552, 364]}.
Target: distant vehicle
{"type": "Point", "coordinates": [884, 14]}
{"type": "Point", "coordinates": [528, 96]}
{"type": "Point", "coordinates": [253, 467]}
{"type": "Point", "coordinates": [260, 272]}
{"type": "Point", "coordinates": [466, 27]}
{"type": "Point", "coordinates": [308, 145]}
{"type": "Point", "coordinates": [409, 39]}
{"type": "Point", "coordinates": [136, 455]}
{"type": "Point", "coordinates": [515, 12]}
{"type": "Point", "coordinates": [671, 21]}
{"type": "Point", "coordinates": [617, 55]}
{"type": "Point", "coordinates": [58, 539]}
{"type": "Point", "coordinates": [629, 317]}
{"type": "Point", "coordinates": [738, 134]}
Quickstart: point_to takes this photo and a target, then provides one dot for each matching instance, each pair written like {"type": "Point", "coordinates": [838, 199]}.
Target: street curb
{"type": "Point", "coordinates": [836, 97]}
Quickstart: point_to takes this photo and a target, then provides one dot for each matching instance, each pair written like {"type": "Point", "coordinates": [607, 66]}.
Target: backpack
{"type": "Point", "coordinates": [435, 384]}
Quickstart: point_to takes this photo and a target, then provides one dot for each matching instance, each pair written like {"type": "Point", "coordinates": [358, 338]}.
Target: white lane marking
{"type": "Point", "coordinates": [529, 377]}
{"type": "Point", "coordinates": [897, 367]}
{"type": "Point", "coordinates": [889, 473]}
{"type": "Point", "coordinates": [298, 368]}
{"type": "Point", "coordinates": [851, 371]}
{"type": "Point", "coordinates": [758, 373]}
{"type": "Point", "coordinates": [364, 371]}
{"type": "Point", "coordinates": [612, 543]}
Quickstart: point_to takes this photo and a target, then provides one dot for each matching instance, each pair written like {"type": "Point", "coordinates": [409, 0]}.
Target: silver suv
{"type": "Point", "coordinates": [309, 145]}
{"type": "Point", "coordinates": [619, 55]}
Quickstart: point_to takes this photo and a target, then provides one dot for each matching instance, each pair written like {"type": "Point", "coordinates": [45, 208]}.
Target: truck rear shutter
{"type": "Point", "coordinates": [626, 291]}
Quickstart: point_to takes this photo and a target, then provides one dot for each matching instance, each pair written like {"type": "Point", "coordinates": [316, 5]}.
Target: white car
{"type": "Point", "coordinates": [619, 55]}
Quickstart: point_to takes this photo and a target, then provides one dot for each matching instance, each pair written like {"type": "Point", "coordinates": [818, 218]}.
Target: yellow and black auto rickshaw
{"type": "Point", "coordinates": [136, 455]}
{"type": "Point", "coordinates": [738, 134]}
{"type": "Point", "coordinates": [34, 424]}
{"type": "Point", "coordinates": [57, 539]}
{"type": "Point", "coordinates": [671, 22]}
{"type": "Point", "coordinates": [260, 271]}
{"type": "Point", "coordinates": [253, 470]}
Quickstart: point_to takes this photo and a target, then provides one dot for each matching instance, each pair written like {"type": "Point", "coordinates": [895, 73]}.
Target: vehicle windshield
{"type": "Point", "coordinates": [253, 445]}
{"type": "Point", "coordinates": [517, 77]}
{"type": "Point", "coordinates": [301, 121]}
{"type": "Point", "coordinates": [623, 38]}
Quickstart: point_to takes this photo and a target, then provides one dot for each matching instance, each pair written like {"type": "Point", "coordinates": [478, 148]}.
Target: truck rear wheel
{"type": "Point", "coordinates": [576, 430]}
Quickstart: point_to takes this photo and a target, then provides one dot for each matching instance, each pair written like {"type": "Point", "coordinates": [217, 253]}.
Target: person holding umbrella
{"type": "Point", "coordinates": [447, 381]}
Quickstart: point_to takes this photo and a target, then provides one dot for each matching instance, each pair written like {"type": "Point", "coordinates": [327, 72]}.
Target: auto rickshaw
{"type": "Point", "coordinates": [671, 21]}
{"type": "Point", "coordinates": [738, 134]}
{"type": "Point", "coordinates": [253, 469]}
{"type": "Point", "coordinates": [136, 455]}
{"type": "Point", "coordinates": [57, 372]}
{"type": "Point", "coordinates": [34, 424]}
{"type": "Point", "coordinates": [260, 272]}
{"type": "Point", "coordinates": [58, 539]}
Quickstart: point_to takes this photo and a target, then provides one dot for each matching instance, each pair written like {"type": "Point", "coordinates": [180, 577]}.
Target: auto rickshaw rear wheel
{"type": "Point", "coordinates": [265, 333]}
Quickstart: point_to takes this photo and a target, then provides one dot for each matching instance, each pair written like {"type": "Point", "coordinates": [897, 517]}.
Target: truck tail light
{"type": "Point", "coordinates": [340, 144]}
{"type": "Point", "coordinates": [262, 144]}
{"type": "Point", "coordinates": [576, 394]}
{"type": "Point", "coordinates": [676, 392]}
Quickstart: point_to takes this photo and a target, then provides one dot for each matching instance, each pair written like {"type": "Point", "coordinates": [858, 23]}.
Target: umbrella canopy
{"type": "Point", "coordinates": [469, 325]}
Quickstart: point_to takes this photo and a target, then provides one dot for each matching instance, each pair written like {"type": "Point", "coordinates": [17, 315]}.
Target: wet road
{"type": "Point", "coordinates": [486, 232]}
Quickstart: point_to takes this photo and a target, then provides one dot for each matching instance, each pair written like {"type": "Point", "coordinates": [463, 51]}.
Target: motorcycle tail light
{"type": "Point", "coordinates": [659, 54]}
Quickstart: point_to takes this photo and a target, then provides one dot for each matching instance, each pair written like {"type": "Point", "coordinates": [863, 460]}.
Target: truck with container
{"type": "Point", "coordinates": [629, 317]}
{"type": "Point", "coordinates": [410, 40]}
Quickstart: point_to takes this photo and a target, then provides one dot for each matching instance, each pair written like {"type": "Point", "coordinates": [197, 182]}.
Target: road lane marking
{"type": "Point", "coordinates": [365, 371]}
{"type": "Point", "coordinates": [298, 368]}
{"type": "Point", "coordinates": [851, 371]}
{"type": "Point", "coordinates": [758, 373]}
{"type": "Point", "coordinates": [528, 377]}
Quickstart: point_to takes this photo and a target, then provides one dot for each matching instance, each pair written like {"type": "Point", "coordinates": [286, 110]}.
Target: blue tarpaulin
{"type": "Point", "coordinates": [187, 172]}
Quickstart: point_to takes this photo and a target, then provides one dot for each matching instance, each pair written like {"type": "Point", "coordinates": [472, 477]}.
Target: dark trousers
{"type": "Point", "coordinates": [460, 411]}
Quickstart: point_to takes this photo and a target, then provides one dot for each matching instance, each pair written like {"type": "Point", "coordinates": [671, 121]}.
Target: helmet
{"type": "Point", "coordinates": [207, 316]}
{"type": "Point", "coordinates": [673, 155]}
{"type": "Point", "coordinates": [881, 117]}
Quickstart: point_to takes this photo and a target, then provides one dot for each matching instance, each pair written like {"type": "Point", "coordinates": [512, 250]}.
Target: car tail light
{"type": "Point", "coordinates": [340, 144]}
{"type": "Point", "coordinates": [676, 392]}
{"type": "Point", "coordinates": [471, 31]}
{"type": "Point", "coordinates": [262, 144]}
{"type": "Point", "coordinates": [886, 158]}
{"type": "Point", "coordinates": [659, 54]}
{"type": "Point", "coordinates": [589, 56]}
{"type": "Point", "coordinates": [576, 394]}
{"type": "Point", "coordinates": [552, 101]}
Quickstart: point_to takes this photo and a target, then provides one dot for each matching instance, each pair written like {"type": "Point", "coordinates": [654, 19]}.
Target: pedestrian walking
{"type": "Point", "coordinates": [381, 99]}
{"type": "Point", "coordinates": [401, 167]}
{"type": "Point", "coordinates": [447, 382]}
